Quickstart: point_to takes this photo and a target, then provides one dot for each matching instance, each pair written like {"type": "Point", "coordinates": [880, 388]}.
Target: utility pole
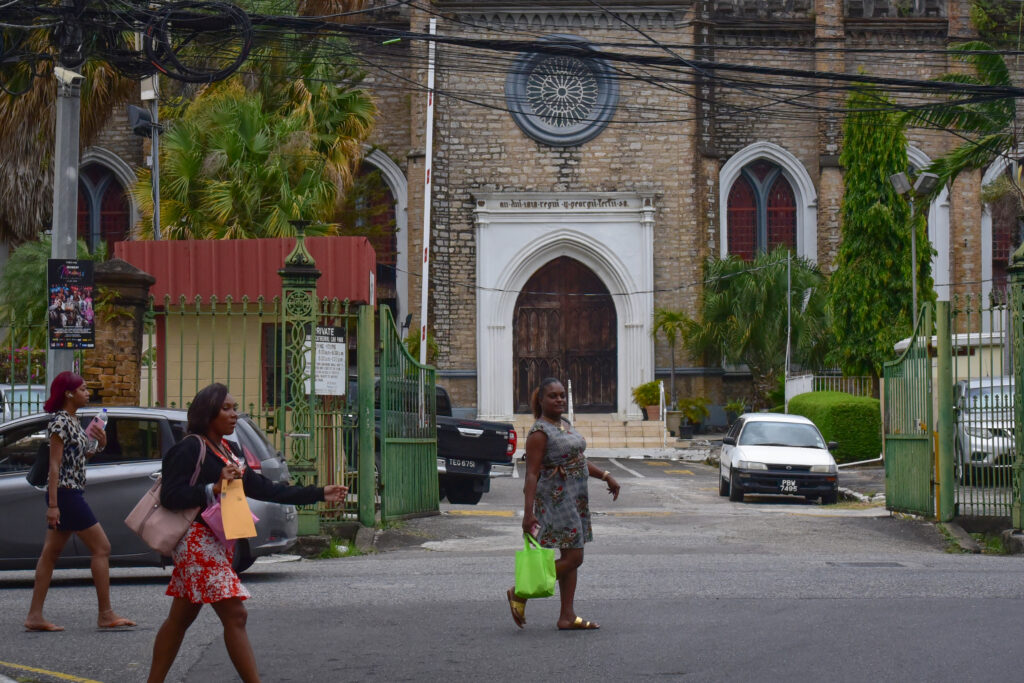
{"type": "Point", "coordinates": [65, 163]}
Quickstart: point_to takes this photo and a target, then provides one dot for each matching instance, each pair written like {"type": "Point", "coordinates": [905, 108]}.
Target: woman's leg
{"type": "Point", "coordinates": [565, 569]}
{"type": "Point", "coordinates": [52, 547]}
{"type": "Point", "coordinates": [169, 637]}
{"type": "Point", "coordinates": [96, 541]}
{"type": "Point", "coordinates": [233, 616]}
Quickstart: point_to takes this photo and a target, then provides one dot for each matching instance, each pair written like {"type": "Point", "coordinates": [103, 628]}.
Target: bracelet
{"type": "Point", "coordinates": [604, 477]}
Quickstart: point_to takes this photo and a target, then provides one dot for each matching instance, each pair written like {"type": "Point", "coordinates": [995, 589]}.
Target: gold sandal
{"type": "Point", "coordinates": [580, 625]}
{"type": "Point", "coordinates": [518, 608]}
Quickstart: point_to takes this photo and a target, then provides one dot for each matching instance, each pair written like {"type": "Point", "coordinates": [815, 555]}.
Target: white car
{"type": "Point", "coordinates": [772, 453]}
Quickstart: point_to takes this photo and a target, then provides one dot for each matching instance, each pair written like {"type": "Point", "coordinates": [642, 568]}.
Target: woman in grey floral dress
{"type": "Point", "coordinates": [557, 506]}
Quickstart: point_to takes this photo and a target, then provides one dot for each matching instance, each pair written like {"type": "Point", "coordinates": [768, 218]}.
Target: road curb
{"type": "Point", "coordinates": [962, 538]}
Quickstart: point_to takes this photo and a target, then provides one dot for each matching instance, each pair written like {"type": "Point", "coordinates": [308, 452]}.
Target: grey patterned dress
{"type": "Point", "coordinates": [561, 503]}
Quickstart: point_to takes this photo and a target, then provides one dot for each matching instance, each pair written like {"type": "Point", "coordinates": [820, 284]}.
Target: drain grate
{"type": "Point", "coordinates": [870, 565]}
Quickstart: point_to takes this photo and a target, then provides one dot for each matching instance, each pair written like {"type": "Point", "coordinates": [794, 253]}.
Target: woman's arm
{"type": "Point", "coordinates": [535, 445]}
{"type": "Point", "coordinates": [605, 476]}
{"type": "Point", "coordinates": [259, 487]}
{"type": "Point", "coordinates": [52, 479]}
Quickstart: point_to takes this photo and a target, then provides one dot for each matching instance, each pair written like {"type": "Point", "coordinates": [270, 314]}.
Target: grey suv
{"type": "Point", "coordinates": [983, 450]}
{"type": "Point", "coordinates": [137, 439]}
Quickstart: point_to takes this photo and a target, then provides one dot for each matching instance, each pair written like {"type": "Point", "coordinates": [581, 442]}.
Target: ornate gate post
{"type": "Point", "coordinates": [299, 315]}
{"type": "Point", "coordinates": [1016, 300]}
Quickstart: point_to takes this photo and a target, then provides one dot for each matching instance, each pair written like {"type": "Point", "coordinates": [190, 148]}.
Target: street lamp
{"type": "Point", "coordinates": [923, 186]}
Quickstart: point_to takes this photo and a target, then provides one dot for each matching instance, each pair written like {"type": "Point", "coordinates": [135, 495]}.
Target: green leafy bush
{"type": "Point", "coordinates": [854, 421]}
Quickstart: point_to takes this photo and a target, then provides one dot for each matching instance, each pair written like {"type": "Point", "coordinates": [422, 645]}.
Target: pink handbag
{"type": "Point", "coordinates": [162, 529]}
{"type": "Point", "coordinates": [215, 521]}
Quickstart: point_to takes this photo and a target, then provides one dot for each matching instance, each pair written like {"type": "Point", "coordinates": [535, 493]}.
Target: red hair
{"type": "Point", "coordinates": [62, 383]}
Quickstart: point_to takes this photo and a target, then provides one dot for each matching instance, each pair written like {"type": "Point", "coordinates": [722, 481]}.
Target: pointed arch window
{"type": "Point", "coordinates": [104, 214]}
{"type": "Point", "coordinates": [761, 211]}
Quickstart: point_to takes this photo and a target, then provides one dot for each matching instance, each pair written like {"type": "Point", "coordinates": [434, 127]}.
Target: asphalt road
{"type": "Point", "coordinates": [686, 585]}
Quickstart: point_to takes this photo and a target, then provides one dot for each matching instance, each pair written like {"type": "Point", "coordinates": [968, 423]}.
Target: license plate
{"type": "Point", "coordinates": [787, 485]}
{"type": "Point", "coordinates": [465, 466]}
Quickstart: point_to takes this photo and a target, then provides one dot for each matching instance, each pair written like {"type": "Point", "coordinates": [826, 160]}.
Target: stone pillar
{"type": "Point", "coordinates": [113, 369]}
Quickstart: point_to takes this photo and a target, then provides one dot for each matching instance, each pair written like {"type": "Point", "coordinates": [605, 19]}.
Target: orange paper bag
{"type": "Point", "coordinates": [235, 511]}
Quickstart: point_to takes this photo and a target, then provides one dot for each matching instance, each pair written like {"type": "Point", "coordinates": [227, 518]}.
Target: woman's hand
{"type": "Point", "coordinates": [227, 473]}
{"type": "Point", "coordinates": [335, 493]}
{"type": "Point", "coordinates": [52, 517]}
{"type": "Point", "coordinates": [99, 434]}
{"type": "Point", "coordinates": [530, 524]}
{"type": "Point", "coordinates": [613, 487]}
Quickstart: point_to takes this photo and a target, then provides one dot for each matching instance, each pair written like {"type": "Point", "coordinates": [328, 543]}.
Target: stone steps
{"type": "Point", "coordinates": [606, 431]}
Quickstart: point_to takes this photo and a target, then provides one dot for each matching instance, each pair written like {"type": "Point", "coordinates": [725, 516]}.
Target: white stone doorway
{"type": "Point", "coordinates": [612, 234]}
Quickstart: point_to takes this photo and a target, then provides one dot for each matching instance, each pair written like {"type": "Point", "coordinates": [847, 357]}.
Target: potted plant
{"type": "Point", "coordinates": [648, 397]}
{"type": "Point", "coordinates": [695, 410]}
{"type": "Point", "coordinates": [734, 407]}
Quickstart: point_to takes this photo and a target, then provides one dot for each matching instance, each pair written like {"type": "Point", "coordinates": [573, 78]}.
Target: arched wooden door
{"type": "Point", "coordinates": [565, 326]}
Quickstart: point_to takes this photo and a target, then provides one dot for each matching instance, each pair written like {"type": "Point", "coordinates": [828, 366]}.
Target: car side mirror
{"type": "Point", "coordinates": [832, 445]}
{"type": "Point", "coordinates": [729, 440]}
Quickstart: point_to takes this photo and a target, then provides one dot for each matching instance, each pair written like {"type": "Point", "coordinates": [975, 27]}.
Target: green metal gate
{"type": "Point", "coordinates": [408, 429]}
{"type": "Point", "coordinates": [909, 459]}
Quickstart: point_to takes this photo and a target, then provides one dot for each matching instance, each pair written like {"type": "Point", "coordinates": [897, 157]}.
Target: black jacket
{"type": "Point", "coordinates": [180, 462]}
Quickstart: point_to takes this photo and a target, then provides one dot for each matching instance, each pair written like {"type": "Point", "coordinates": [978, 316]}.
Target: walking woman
{"type": "Point", "coordinates": [557, 506]}
{"type": "Point", "coordinates": [202, 564]}
{"type": "Point", "coordinates": [66, 510]}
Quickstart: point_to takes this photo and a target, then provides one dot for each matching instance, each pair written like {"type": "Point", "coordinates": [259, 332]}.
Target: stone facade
{"type": "Point", "coordinates": [671, 143]}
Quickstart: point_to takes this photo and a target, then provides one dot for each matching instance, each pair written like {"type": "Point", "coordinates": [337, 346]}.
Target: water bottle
{"type": "Point", "coordinates": [101, 422]}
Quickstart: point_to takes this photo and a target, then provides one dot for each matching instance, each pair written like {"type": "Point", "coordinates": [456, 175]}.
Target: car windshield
{"type": "Point", "coordinates": [781, 434]}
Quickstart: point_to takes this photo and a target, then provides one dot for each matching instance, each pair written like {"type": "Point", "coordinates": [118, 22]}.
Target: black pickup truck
{"type": "Point", "coordinates": [466, 452]}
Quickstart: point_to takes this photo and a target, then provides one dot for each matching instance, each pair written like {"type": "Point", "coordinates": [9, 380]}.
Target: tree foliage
{"type": "Point", "coordinates": [23, 295]}
{"type": "Point", "coordinates": [743, 316]}
{"type": "Point", "coordinates": [987, 125]}
{"type": "Point", "coordinates": [870, 291]}
{"type": "Point", "coordinates": [274, 144]}
{"type": "Point", "coordinates": [670, 324]}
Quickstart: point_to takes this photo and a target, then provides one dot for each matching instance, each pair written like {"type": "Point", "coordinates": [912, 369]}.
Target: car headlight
{"type": "Point", "coordinates": [979, 432]}
{"type": "Point", "coordinates": [823, 469]}
{"type": "Point", "coordinates": [749, 465]}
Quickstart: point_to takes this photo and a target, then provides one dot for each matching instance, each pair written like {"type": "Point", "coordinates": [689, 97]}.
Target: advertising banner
{"type": "Point", "coordinates": [70, 287]}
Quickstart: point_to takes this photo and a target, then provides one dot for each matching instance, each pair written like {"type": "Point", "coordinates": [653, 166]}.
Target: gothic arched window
{"type": "Point", "coordinates": [761, 211]}
{"type": "Point", "coordinates": [104, 214]}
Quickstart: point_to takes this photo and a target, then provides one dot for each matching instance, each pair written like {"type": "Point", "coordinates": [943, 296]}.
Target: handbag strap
{"type": "Point", "coordinates": [199, 460]}
{"type": "Point", "coordinates": [528, 539]}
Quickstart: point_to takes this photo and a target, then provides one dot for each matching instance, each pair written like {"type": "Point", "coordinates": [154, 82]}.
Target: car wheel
{"type": "Point", "coordinates": [723, 486]}
{"type": "Point", "coordinates": [830, 498]}
{"type": "Point", "coordinates": [462, 493]}
{"type": "Point", "coordinates": [735, 492]}
{"type": "Point", "coordinates": [243, 557]}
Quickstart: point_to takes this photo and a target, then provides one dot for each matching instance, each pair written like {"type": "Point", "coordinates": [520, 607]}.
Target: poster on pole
{"type": "Point", "coordinates": [70, 286]}
{"type": "Point", "coordinates": [331, 362]}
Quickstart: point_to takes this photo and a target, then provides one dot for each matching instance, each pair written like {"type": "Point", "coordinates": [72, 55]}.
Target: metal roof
{"type": "Point", "coordinates": [239, 268]}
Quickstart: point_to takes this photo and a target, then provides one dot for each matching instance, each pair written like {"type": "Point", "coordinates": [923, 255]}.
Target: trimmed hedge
{"type": "Point", "coordinates": [853, 421]}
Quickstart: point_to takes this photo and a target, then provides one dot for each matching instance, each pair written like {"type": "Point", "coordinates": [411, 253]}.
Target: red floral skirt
{"type": "Point", "coordinates": [202, 569]}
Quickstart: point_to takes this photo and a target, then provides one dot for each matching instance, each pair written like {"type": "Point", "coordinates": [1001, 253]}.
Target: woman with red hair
{"type": "Point", "coordinates": [66, 510]}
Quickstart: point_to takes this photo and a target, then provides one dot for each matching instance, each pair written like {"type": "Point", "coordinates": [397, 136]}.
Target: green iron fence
{"type": "Point", "coordinates": [408, 429]}
{"type": "Point", "coordinates": [191, 342]}
{"type": "Point", "coordinates": [982, 415]}
{"type": "Point", "coordinates": [909, 460]}
{"type": "Point", "coordinates": [23, 364]}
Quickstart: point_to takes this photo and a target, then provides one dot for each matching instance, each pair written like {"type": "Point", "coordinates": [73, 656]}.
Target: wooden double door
{"type": "Point", "coordinates": [565, 327]}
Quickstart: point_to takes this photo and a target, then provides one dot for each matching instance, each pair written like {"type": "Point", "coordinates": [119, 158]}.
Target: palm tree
{"type": "Point", "coordinates": [743, 317]}
{"type": "Point", "coordinates": [987, 125]}
{"type": "Point", "coordinates": [672, 324]}
{"type": "Point", "coordinates": [27, 134]}
{"type": "Point", "coordinates": [276, 143]}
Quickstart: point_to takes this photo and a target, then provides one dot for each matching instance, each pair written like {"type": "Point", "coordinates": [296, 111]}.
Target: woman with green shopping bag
{"type": "Point", "coordinates": [556, 507]}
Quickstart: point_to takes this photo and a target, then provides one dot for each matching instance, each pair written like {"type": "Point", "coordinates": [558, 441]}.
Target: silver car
{"type": "Point", "coordinates": [137, 439]}
{"type": "Point", "coordinates": [983, 449]}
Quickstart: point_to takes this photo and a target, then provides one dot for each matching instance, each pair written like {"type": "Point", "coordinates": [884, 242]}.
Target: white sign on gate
{"type": "Point", "coordinates": [331, 362]}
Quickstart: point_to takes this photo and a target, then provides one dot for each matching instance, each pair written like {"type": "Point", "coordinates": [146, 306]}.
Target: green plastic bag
{"type": "Point", "coordinates": [535, 570]}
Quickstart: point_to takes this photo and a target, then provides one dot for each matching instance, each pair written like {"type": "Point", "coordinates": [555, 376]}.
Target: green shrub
{"type": "Point", "coordinates": [854, 421]}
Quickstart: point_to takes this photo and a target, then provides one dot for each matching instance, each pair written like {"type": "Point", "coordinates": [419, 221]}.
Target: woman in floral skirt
{"type": "Point", "coordinates": [202, 564]}
{"type": "Point", "coordinates": [557, 505]}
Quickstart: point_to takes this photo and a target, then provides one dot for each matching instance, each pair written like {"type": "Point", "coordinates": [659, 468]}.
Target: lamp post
{"type": "Point", "coordinates": [922, 187]}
